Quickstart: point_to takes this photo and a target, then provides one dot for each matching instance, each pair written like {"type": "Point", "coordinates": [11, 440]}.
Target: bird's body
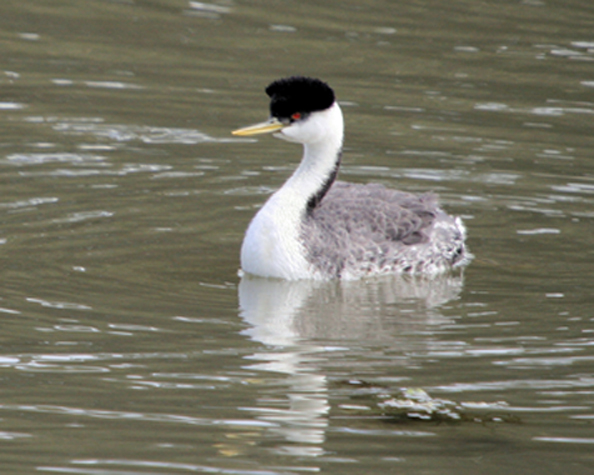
{"type": "Point", "coordinates": [314, 227]}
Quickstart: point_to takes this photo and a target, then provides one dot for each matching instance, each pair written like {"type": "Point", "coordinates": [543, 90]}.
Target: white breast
{"type": "Point", "coordinates": [272, 247]}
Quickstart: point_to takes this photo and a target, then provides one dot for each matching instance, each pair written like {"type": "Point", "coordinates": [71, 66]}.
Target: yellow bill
{"type": "Point", "coordinates": [271, 125]}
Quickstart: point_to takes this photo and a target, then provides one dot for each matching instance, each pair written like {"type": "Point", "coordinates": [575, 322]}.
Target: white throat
{"type": "Point", "coordinates": [272, 246]}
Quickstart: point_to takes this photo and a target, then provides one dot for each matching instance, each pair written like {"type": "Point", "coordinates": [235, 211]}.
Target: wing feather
{"type": "Point", "coordinates": [363, 228]}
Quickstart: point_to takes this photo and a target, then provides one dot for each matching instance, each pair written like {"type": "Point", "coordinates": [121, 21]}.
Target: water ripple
{"type": "Point", "coordinates": [544, 361]}
{"type": "Point", "coordinates": [11, 106]}
{"type": "Point", "coordinates": [518, 384]}
{"type": "Point", "coordinates": [30, 202]}
{"type": "Point", "coordinates": [566, 440]}
{"type": "Point", "coordinates": [59, 157]}
{"type": "Point", "coordinates": [83, 216]}
{"type": "Point", "coordinates": [383, 432]}
{"type": "Point", "coordinates": [585, 188]}
{"type": "Point", "coordinates": [37, 367]}
{"type": "Point", "coordinates": [60, 305]}
{"type": "Point", "coordinates": [131, 416]}
{"type": "Point", "coordinates": [547, 111]}
{"type": "Point", "coordinates": [539, 231]}
{"type": "Point", "coordinates": [13, 435]}
{"type": "Point", "coordinates": [112, 85]}
{"type": "Point", "coordinates": [206, 10]}
{"type": "Point", "coordinates": [146, 134]}
{"type": "Point", "coordinates": [151, 464]}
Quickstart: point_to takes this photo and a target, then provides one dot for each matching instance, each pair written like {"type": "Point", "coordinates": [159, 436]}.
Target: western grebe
{"type": "Point", "coordinates": [314, 227]}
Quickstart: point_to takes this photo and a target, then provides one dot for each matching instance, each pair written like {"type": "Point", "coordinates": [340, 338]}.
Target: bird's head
{"type": "Point", "coordinates": [302, 110]}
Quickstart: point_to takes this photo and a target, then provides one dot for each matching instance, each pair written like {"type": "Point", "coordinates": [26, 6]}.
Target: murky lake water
{"type": "Point", "coordinates": [129, 345]}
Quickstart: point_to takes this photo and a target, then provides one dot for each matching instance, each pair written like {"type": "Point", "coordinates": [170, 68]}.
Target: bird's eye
{"type": "Point", "coordinates": [296, 116]}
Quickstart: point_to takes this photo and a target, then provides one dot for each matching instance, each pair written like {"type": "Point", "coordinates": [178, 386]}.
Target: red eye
{"type": "Point", "coordinates": [296, 116]}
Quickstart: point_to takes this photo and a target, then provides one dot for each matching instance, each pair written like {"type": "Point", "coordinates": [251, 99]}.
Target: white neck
{"type": "Point", "coordinates": [272, 246]}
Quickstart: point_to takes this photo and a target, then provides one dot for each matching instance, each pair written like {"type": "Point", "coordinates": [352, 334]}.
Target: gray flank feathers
{"type": "Point", "coordinates": [359, 230]}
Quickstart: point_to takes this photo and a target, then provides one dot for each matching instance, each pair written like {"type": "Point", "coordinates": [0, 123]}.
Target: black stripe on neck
{"type": "Point", "coordinates": [317, 197]}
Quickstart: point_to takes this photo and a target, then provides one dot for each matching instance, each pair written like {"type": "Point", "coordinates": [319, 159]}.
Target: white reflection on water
{"type": "Point", "coordinates": [553, 111]}
{"type": "Point", "coordinates": [209, 10]}
{"type": "Point", "coordinates": [583, 382]}
{"type": "Point", "coordinates": [293, 319]}
{"type": "Point", "coordinates": [29, 202]}
{"type": "Point", "coordinates": [112, 85]}
{"type": "Point", "coordinates": [566, 440]}
{"type": "Point", "coordinates": [83, 216]}
{"type": "Point", "coordinates": [271, 307]}
{"type": "Point", "coordinates": [129, 416]}
{"type": "Point", "coordinates": [13, 435]}
{"type": "Point", "coordinates": [143, 133]}
{"type": "Point", "coordinates": [11, 106]}
{"type": "Point", "coordinates": [585, 188]}
{"type": "Point", "coordinates": [59, 157]}
{"type": "Point", "coordinates": [60, 305]}
{"type": "Point", "coordinates": [151, 464]}
{"type": "Point", "coordinates": [538, 231]}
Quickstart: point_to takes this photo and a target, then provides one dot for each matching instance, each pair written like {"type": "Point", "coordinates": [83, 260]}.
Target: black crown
{"type": "Point", "coordinates": [298, 94]}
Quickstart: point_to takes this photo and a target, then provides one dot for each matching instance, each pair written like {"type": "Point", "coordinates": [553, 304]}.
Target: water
{"type": "Point", "coordinates": [129, 345]}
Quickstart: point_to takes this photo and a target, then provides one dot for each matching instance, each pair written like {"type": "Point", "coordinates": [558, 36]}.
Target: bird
{"type": "Point", "coordinates": [316, 227]}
